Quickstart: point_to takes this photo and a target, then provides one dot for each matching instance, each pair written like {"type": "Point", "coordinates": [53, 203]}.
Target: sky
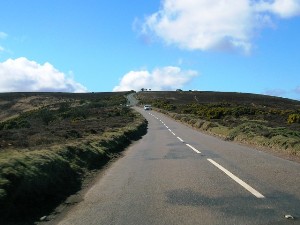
{"type": "Point", "coordinates": [250, 46]}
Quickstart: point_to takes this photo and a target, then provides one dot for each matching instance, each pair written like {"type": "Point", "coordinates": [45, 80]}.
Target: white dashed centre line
{"type": "Point", "coordinates": [180, 139]}
{"type": "Point", "coordinates": [238, 180]}
{"type": "Point", "coordinates": [193, 148]}
{"type": "Point", "coordinates": [228, 173]}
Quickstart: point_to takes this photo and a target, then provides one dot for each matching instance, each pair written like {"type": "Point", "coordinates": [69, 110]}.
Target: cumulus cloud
{"type": "Point", "coordinates": [21, 74]}
{"type": "Point", "coordinates": [216, 24]}
{"type": "Point", "coordinates": [281, 8]}
{"type": "Point", "coordinates": [166, 78]}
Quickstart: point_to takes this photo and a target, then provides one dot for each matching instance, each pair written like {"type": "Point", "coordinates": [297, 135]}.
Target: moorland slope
{"type": "Point", "coordinates": [264, 121]}
{"type": "Point", "coordinates": [50, 141]}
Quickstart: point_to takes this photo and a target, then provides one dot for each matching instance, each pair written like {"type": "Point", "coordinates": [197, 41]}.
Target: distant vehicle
{"type": "Point", "coordinates": [147, 107]}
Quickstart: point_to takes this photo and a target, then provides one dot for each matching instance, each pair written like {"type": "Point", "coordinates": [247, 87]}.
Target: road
{"type": "Point", "coordinates": [177, 175]}
{"type": "Point", "coordinates": [132, 100]}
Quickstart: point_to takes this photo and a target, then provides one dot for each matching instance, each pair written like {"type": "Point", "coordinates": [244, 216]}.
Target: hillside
{"type": "Point", "coordinates": [50, 141]}
{"type": "Point", "coordinates": [263, 121]}
{"type": "Point", "coordinates": [38, 119]}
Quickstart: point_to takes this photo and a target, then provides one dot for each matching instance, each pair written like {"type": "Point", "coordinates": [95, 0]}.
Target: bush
{"type": "Point", "coordinates": [293, 118]}
{"type": "Point", "coordinates": [46, 115]}
{"type": "Point", "coordinates": [14, 124]}
{"type": "Point", "coordinates": [64, 107]}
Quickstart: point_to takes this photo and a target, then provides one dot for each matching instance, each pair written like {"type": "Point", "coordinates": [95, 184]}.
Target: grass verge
{"type": "Point", "coordinates": [33, 182]}
{"type": "Point", "coordinates": [280, 139]}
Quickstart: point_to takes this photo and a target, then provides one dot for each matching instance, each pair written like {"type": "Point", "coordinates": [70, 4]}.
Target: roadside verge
{"type": "Point", "coordinates": [32, 183]}
{"type": "Point", "coordinates": [275, 140]}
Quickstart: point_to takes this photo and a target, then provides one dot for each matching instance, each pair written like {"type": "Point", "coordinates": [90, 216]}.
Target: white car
{"type": "Point", "coordinates": [147, 107]}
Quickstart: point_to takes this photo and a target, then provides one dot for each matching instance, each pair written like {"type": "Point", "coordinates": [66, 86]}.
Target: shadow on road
{"type": "Point", "coordinates": [267, 211]}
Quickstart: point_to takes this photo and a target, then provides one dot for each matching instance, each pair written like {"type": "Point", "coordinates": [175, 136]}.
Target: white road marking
{"type": "Point", "coordinates": [238, 180]}
{"type": "Point", "coordinates": [170, 130]}
{"type": "Point", "coordinates": [180, 139]}
{"type": "Point", "coordinates": [173, 133]}
{"type": "Point", "coordinates": [193, 148]}
{"type": "Point", "coordinates": [167, 127]}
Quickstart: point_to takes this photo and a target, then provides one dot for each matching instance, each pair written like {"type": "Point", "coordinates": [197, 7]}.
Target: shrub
{"type": "Point", "coordinates": [239, 111]}
{"type": "Point", "coordinates": [64, 107]}
{"type": "Point", "coordinates": [14, 124]}
{"type": "Point", "coordinates": [46, 115]}
{"type": "Point", "coordinates": [293, 118]}
{"type": "Point", "coordinates": [216, 113]}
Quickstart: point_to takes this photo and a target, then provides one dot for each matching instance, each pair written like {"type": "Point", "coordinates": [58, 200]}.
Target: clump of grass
{"type": "Point", "coordinates": [261, 135]}
{"type": "Point", "coordinates": [28, 179]}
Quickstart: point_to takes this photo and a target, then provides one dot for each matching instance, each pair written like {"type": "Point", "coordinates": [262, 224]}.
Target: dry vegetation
{"type": "Point", "coordinates": [264, 121]}
{"type": "Point", "coordinates": [49, 141]}
{"type": "Point", "coordinates": [61, 122]}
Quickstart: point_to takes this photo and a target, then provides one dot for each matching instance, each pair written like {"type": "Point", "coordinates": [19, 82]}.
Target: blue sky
{"type": "Point", "coordinates": [209, 45]}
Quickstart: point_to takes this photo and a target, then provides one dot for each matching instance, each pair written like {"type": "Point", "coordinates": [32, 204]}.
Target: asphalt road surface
{"type": "Point", "coordinates": [176, 175]}
{"type": "Point", "coordinates": [132, 101]}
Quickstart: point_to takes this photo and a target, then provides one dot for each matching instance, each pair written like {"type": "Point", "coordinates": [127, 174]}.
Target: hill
{"type": "Point", "coordinates": [50, 141]}
{"type": "Point", "coordinates": [264, 121]}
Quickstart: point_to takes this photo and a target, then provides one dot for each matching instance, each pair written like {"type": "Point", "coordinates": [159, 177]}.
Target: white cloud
{"type": "Point", "coordinates": [3, 35]}
{"type": "Point", "coordinates": [215, 24]}
{"type": "Point", "coordinates": [297, 90]}
{"type": "Point", "coordinates": [282, 8]}
{"type": "Point", "coordinates": [275, 92]}
{"type": "Point", "coordinates": [17, 75]}
{"type": "Point", "coordinates": [166, 78]}
{"type": "Point", "coordinates": [286, 93]}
